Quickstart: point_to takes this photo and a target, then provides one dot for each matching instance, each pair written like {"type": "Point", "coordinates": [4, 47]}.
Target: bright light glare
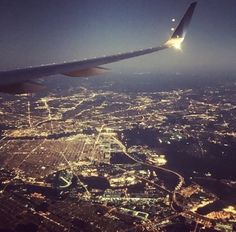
{"type": "Point", "coordinates": [175, 42]}
{"type": "Point", "coordinates": [173, 20]}
{"type": "Point", "coordinates": [177, 46]}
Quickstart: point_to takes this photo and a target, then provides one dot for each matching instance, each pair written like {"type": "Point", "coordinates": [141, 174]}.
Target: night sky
{"type": "Point", "coordinates": [46, 31]}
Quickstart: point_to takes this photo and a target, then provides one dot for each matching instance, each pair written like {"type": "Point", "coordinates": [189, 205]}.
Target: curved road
{"type": "Point", "coordinates": [178, 186]}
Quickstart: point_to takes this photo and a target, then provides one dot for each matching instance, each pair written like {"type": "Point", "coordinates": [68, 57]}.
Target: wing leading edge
{"type": "Point", "coordinates": [88, 67]}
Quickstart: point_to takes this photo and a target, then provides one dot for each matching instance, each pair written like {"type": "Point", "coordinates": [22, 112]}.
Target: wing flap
{"type": "Point", "coordinates": [87, 72]}
{"type": "Point", "coordinates": [22, 88]}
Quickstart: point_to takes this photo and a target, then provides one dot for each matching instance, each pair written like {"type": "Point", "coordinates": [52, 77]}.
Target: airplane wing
{"type": "Point", "coordinates": [20, 80]}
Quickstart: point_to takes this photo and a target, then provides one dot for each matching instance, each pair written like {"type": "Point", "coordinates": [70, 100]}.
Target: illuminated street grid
{"type": "Point", "coordinates": [81, 133]}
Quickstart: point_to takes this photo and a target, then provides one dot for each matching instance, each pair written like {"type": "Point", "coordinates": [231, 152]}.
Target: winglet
{"type": "Point", "coordinates": [180, 32]}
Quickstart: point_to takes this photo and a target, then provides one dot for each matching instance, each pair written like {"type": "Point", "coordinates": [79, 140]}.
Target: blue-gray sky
{"type": "Point", "coordinates": [35, 32]}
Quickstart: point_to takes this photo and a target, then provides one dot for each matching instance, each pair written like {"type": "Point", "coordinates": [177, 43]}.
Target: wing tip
{"type": "Point", "coordinates": [181, 29]}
